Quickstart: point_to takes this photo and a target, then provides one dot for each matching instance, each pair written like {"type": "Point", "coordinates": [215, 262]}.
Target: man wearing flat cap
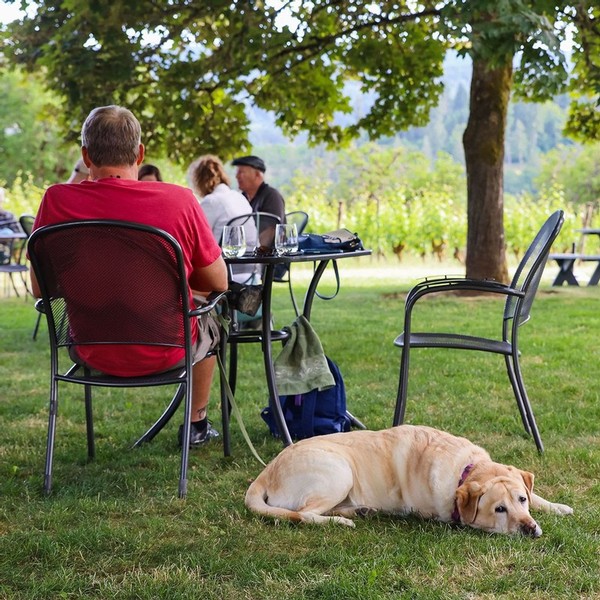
{"type": "Point", "coordinates": [250, 175]}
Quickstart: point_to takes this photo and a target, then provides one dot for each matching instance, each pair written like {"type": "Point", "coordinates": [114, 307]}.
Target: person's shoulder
{"type": "Point", "coordinates": [168, 189]}
{"type": "Point", "coordinates": [164, 185]}
{"type": "Point", "coordinates": [58, 186]}
{"type": "Point", "coordinates": [270, 187]}
{"type": "Point", "coordinates": [61, 189]}
{"type": "Point", "coordinates": [232, 194]}
{"type": "Point", "coordinates": [272, 191]}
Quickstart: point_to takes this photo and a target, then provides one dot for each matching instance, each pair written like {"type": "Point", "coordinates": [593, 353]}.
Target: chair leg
{"type": "Point", "coordinates": [517, 391]}
{"type": "Point", "coordinates": [527, 405]}
{"type": "Point", "coordinates": [37, 326]}
{"type": "Point", "coordinates": [53, 409]}
{"type": "Point", "coordinates": [14, 287]}
{"type": "Point", "coordinates": [89, 423]}
{"type": "Point", "coordinates": [354, 421]}
{"type": "Point", "coordinates": [164, 418]}
{"type": "Point", "coordinates": [233, 359]}
{"type": "Point", "coordinates": [185, 448]}
{"type": "Point", "coordinates": [26, 284]}
{"type": "Point", "coordinates": [292, 296]}
{"type": "Point", "coordinates": [225, 406]}
{"type": "Point", "coordinates": [402, 386]}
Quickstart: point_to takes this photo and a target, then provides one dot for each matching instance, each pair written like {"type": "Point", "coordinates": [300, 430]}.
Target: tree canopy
{"type": "Point", "coordinates": [188, 70]}
{"type": "Point", "coordinates": [29, 132]}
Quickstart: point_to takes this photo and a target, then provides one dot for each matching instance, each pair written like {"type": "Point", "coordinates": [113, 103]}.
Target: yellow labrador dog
{"type": "Point", "coordinates": [406, 469]}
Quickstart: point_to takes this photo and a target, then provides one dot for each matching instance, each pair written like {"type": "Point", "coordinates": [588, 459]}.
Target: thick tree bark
{"type": "Point", "coordinates": [483, 142]}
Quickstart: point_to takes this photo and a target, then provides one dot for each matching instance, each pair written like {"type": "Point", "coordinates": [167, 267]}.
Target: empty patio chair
{"type": "Point", "coordinates": [519, 298]}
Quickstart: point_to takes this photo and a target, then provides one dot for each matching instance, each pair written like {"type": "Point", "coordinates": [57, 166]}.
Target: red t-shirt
{"type": "Point", "coordinates": [170, 207]}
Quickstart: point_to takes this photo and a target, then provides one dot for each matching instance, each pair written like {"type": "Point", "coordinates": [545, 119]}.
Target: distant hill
{"type": "Point", "coordinates": [533, 129]}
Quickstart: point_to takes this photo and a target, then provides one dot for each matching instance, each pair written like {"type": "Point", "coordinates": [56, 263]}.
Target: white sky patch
{"type": "Point", "coordinates": [284, 18]}
{"type": "Point", "coordinates": [12, 12]}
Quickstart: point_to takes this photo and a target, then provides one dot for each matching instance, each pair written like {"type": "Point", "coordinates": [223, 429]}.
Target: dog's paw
{"type": "Point", "coordinates": [561, 509]}
{"type": "Point", "coordinates": [365, 511]}
{"type": "Point", "coordinates": [343, 521]}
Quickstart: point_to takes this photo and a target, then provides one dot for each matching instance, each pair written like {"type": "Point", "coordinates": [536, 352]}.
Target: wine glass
{"type": "Point", "coordinates": [286, 239]}
{"type": "Point", "coordinates": [234, 241]}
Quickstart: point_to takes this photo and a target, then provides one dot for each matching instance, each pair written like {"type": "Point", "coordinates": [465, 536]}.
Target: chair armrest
{"type": "Point", "coordinates": [212, 300]}
{"type": "Point", "coordinates": [453, 284]}
{"type": "Point", "coordinates": [39, 306]}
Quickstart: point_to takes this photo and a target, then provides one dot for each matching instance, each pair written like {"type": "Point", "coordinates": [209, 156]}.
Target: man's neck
{"type": "Point", "coordinates": [251, 193]}
{"type": "Point", "coordinates": [120, 172]}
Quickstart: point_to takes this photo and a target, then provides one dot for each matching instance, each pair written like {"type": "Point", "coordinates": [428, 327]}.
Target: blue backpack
{"type": "Point", "coordinates": [314, 413]}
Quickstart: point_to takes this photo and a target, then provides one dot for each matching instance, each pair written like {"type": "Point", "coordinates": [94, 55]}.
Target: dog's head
{"type": "Point", "coordinates": [496, 499]}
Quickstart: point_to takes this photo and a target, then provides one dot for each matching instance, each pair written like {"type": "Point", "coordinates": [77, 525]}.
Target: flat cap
{"type": "Point", "coordinates": [250, 161]}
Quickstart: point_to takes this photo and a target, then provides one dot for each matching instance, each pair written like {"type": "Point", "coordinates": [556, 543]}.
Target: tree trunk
{"type": "Point", "coordinates": [483, 142]}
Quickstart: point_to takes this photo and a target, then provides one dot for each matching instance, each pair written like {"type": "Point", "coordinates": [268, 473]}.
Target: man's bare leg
{"type": "Point", "coordinates": [202, 376]}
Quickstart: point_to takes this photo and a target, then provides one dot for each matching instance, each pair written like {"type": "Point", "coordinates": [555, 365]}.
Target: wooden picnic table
{"type": "Point", "coordinates": [566, 264]}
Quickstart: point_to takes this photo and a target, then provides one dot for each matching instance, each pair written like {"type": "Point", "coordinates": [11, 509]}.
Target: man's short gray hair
{"type": "Point", "coordinates": [112, 136]}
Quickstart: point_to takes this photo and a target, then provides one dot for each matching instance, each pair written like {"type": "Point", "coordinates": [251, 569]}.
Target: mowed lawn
{"type": "Point", "coordinates": [115, 528]}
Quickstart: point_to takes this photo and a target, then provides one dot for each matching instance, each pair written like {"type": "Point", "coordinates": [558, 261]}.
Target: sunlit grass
{"type": "Point", "coordinates": [114, 528]}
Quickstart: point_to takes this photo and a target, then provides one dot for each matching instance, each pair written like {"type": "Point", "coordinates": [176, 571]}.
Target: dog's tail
{"type": "Point", "coordinates": [256, 500]}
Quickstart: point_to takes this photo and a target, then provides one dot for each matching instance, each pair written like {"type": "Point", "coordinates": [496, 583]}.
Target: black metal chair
{"type": "Point", "coordinates": [519, 298]}
{"type": "Point", "coordinates": [13, 256]}
{"type": "Point", "coordinates": [265, 226]}
{"type": "Point", "coordinates": [112, 282]}
{"type": "Point", "coordinates": [299, 218]}
{"type": "Point", "coordinates": [247, 331]}
{"type": "Point", "coordinates": [283, 272]}
{"type": "Point", "coordinates": [26, 222]}
{"type": "Point", "coordinates": [262, 233]}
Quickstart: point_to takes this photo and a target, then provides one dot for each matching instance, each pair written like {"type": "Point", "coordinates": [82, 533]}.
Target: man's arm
{"type": "Point", "coordinates": [276, 204]}
{"type": "Point", "coordinates": [212, 278]}
{"type": "Point", "coordinates": [35, 288]}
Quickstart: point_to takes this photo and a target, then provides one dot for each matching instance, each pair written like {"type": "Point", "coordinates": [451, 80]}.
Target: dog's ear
{"type": "Point", "coordinates": [528, 480]}
{"type": "Point", "coordinates": [467, 499]}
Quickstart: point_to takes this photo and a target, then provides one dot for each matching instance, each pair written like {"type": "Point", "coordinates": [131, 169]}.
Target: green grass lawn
{"type": "Point", "coordinates": [115, 528]}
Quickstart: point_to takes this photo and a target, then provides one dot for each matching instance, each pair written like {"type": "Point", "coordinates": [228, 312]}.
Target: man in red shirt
{"type": "Point", "coordinates": [112, 151]}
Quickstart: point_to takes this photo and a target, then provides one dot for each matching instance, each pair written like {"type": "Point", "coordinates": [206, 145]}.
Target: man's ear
{"type": "Point", "coordinates": [141, 153]}
{"type": "Point", "coordinates": [467, 501]}
{"type": "Point", "coordinates": [86, 158]}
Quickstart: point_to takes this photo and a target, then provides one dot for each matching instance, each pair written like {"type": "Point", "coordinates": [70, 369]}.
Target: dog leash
{"type": "Point", "coordinates": [235, 410]}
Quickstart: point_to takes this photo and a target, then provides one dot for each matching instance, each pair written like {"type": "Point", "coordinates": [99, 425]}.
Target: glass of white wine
{"type": "Point", "coordinates": [286, 239]}
{"type": "Point", "coordinates": [234, 241]}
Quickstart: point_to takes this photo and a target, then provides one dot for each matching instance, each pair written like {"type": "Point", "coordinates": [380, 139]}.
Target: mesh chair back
{"type": "Point", "coordinates": [265, 225]}
{"type": "Point", "coordinates": [26, 222]}
{"type": "Point", "coordinates": [111, 282]}
{"type": "Point", "coordinates": [299, 217]}
{"type": "Point", "coordinates": [529, 272]}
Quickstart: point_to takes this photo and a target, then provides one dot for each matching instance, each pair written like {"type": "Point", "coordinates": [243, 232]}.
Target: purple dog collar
{"type": "Point", "coordinates": [465, 473]}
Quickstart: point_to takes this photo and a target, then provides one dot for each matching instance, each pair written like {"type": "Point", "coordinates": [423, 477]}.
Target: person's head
{"type": "Point", "coordinates": [111, 136]}
{"type": "Point", "coordinates": [206, 173]}
{"type": "Point", "coordinates": [249, 174]}
{"type": "Point", "coordinates": [80, 172]}
{"type": "Point", "coordinates": [149, 172]}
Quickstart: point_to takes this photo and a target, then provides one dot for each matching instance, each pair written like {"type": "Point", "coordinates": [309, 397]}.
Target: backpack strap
{"type": "Point", "coordinates": [337, 283]}
{"type": "Point", "coordinates": [308, 403]}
